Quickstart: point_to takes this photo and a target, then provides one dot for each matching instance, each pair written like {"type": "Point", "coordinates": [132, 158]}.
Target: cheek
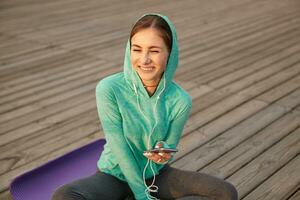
{"type": "Point", "coordinates": [133, 60]}
{"type": "Point", "coordinates": [163, 61]}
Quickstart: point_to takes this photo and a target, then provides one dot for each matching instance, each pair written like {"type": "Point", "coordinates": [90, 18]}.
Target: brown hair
{"type": "Point", "coordinates": [154, 21]}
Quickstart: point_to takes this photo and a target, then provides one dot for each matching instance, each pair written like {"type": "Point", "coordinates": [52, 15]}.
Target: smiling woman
{"type": "Point", "coordinates": [149, 55]}
{"type": "Point", "coordinates": [151, 43]}
{"type": "Point", "coordinates": [134, 161]}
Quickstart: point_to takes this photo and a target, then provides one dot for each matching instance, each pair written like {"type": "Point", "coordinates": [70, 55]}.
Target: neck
{"type": "Point", "coordinates": [150, 83]}
{"type": "Point", "coordinates": [150, 90]}
{"type": "Point", "coordinates": [150, 86]}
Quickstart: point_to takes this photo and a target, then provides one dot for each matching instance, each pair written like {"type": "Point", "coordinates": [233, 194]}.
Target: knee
{"type": "Point", "coordinates": [230, 192]}
{"type": "Point", "coordinates": [66, 192]}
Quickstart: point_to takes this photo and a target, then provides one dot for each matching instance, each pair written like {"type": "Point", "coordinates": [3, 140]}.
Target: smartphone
{"type": "Point", "coordinates": [162, 150]}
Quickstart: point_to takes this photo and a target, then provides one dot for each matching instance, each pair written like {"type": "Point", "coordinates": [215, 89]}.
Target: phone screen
{"type": "Point", "coordinates": [163, 150]}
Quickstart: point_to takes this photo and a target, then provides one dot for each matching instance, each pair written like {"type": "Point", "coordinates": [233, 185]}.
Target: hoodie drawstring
{"type": "Point", "coordinates": [151, 187]}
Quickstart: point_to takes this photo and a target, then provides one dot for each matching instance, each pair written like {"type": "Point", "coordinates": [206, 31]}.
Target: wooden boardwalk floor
{"type": "Point", "coordinates": [239, 60]}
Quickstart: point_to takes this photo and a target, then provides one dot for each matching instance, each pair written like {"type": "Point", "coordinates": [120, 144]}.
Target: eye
{"type": "Point", "coordinates": [136, 50]}
{"type": "Point", "coordinates": [155, 51]}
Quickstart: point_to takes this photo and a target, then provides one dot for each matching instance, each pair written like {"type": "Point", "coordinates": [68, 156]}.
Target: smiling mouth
{"type": "Point", "coordinates": [148, 69]}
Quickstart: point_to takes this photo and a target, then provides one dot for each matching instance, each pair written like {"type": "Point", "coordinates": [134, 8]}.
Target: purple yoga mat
{"type": "Point", "coordinates": [40, 183]}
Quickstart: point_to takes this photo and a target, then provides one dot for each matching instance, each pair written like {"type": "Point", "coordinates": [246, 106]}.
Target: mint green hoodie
{"type": "Point", "coordinates": [128, 115]}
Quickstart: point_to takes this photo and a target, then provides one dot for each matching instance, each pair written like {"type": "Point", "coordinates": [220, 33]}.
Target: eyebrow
{"type": "Point", "coordinates": [151, 47]}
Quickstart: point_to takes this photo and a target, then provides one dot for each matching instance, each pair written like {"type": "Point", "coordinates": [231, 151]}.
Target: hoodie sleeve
{"type": "Point", "coordinates": [111, 121]}
{"type": "Point", "coordinates": [177, 124]}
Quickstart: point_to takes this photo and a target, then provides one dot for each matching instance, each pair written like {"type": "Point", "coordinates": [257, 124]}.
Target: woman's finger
{"type": "Point", "coordinates": [165, 155]}
{"type": "Point", "coordinates": [158, 157]}
{"type": "Point", "coordinates": [151, 156]}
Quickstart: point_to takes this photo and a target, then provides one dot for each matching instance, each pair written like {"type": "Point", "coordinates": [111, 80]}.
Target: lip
{"type": "Point", "coordinates": [147, 69]}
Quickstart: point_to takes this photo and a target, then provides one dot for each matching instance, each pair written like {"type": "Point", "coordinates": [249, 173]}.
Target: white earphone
{"type": "Point", "coordinates": [151, 187]}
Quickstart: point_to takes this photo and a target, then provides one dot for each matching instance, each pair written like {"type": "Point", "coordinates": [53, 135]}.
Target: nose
{"type": "Point", "coordinates": [146, 58]}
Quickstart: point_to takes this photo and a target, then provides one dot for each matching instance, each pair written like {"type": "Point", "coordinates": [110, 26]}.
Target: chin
{"type": "Point", "coordinates": [147, 78]}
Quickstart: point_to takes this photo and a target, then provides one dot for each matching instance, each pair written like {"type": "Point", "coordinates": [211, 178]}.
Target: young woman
{"type": "Point", "coordinates": [140, 109]}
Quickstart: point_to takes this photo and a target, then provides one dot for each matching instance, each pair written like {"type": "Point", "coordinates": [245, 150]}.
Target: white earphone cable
{"type": "Point", "coordinates": [151, 187]}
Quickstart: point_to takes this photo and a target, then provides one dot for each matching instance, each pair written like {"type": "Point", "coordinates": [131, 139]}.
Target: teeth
{"type": "Point", "coordinates": [147, 68]}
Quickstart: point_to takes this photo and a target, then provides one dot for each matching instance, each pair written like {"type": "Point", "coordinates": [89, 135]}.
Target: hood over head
{"type": "Point", "coordinates": [132, 77]}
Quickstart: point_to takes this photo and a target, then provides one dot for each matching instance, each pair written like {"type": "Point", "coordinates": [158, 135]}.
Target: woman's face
{"type": "Point", "coordinates": [149, 55]}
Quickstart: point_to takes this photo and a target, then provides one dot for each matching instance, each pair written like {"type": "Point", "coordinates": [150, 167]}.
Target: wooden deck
{"type": "Point", "coordinates": [239, 60]}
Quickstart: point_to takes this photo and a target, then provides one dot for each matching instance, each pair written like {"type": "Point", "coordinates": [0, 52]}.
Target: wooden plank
{"type": "Point", "coordinates": [275, 74]}
{"type": "Point", "coordinates": [187, 35]}
{"type": "Point", "coordinates": [10, 4]}
{"type": "Point", "coordinates": [56, 87]}
{"type": "Point", "coordinates": [174, 5]}
{"type": "Point", "coordinates": [228, 31]}
{"type": "Point", "coordinates": [5, 195]}
{"type": "Point", "coordinates": [267, 85]}
{"type": "Point", "coordinates": [98, 14]}
{"type": "Point", "coordinates": [226, 16]}
{"type": "Point", "coordinates": [229, 42]}
{"type": "Point", "coordinates": [76, 13]}
{"type": "Point", "coordinates": [292, 100]}
{"type": "Point", "coordinates": [43, 82]}
{"type": "Point", "coordinates": [44, 123]}
{"type": "Point", "coordinates": [204, 117]}
{"type": "Point", "coordinates": [265, 165]}
{"type": "Point", "coordinates": [46, 134]}
{"type": "Point", "coordinates": [23, 59]}
{"type": "Point", "coordinates": [198, 91]}
{"type": "Point", "coordinates": [6, 178]}
{"type": "Point", "coordinates": [102, 49]}
{"type": "Point", "coordinates": [244, 152]}
{"type": "Point", "coordinates": [216, 126]}
{"type": "Point", "coordinates": [200, 148]}
{"type": "Point", "coordinates": [245, 62]}
{"type": "Point", "coordinates": [240, 43]}
{"type": "Point", "coordinates": [22, 81]}
{"type": "Point", "coordinates": [20, 46]}
{"type": "Point", "coordinates": [58, 71]}
{"type": "Point", "coordinates": [248, 66]}
{"type": "Point", "coordinates": [37, 144]}
{"type": "Point", "coordinates": [217, 103]}
{"type": "Point", "coordinates": [281, 184]}
{"type": "Point", "coordinates": [201, 38]}
{"type": "Point", "coordinates": [295, 196]}
{"type": "Point", "coordinates": [219, 63]}
{"type": "Point", "coordinates": [6, 39]}
{"type": "Point", "coordinates": [76, 42]}
{"type": "Point", "coordinates": [280, 91]}
{"type": "Point", "coordinates": [16, 160]}
{"type": "Point", "coordinates": [34, 5]}
{"type": "Point", "coordinates": [221, 107]}
{"type": "Point", "coordinates": [267, 68]}
{"type": "Point", "coordinates": [50, 108]}
{"type": "Point", "coordinates": [293, 88]}
{"type": "Point", "coordinates": [274, 93]}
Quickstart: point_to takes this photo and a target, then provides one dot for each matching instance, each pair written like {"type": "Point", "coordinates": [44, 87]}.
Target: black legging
{"type": "Point", "coordinates": [172, 183]}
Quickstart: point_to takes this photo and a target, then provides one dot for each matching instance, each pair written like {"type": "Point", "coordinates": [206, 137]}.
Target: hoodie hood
{"type": "Point", "coordinates": [132, 77]}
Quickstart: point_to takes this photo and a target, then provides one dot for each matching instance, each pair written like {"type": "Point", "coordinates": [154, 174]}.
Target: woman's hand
{"type": "Point", "coordinates": [159, 158]}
